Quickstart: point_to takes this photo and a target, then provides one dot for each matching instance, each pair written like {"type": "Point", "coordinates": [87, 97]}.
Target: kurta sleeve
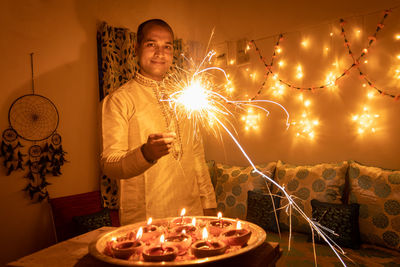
{"type": "Point", "coordinates": [117, 160]}
{"type": "Point", "coordinates": [206, 189]}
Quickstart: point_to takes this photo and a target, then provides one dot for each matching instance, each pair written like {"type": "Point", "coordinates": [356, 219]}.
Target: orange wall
{"type": "Point", "coordinates": [62, 36]}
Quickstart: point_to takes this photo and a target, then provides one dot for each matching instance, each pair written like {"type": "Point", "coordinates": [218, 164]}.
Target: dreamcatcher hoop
{"type": "Point", "coordinates": [33, 117]}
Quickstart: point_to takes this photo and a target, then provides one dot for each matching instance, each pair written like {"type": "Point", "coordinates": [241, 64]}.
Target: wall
{"type": "Point", "coordinates": [62, 36]}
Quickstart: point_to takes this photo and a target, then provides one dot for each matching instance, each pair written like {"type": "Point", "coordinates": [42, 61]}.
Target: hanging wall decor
{"type": "Point", "coordinates": [33, 118]}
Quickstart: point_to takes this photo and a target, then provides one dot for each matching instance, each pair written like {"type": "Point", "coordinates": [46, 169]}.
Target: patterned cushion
{"type": "Point", "coordinates": [340, 218]}
{"type": "Point", "coordinates": [378, 192]}
{"type": "Point", "coordinates": [324, 182]}
{"type": "Point", "coordinates": [260, 210]}
{"type": "Point", "coordinates": [90, 222]}
{"type": "Point", "coordinates": [234, 182]}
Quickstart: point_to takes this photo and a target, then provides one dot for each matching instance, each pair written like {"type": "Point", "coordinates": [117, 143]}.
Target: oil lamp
{"type": "Point", "coordinates": [125, 249]}
{"type": "Point", "coordinates": [161, 252]}
{"type": "Point", "coordinates": [150, 231]}
{"type": "Point", "coordinates": [181, 241]}
{"type": "Point", "coordinates": [236, 237]}
{"type": "Point", "coordinates": [216, 227]}
{"type": "Point", "coordinates": [206, 248]}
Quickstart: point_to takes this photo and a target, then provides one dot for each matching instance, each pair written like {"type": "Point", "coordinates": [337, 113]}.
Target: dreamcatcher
{"type": "Point", "coordinates": [33, 118]}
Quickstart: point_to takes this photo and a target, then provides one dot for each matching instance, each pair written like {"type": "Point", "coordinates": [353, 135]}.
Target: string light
{"type": "Point", "coordinates": [355, 64]}
{"type": "Point", "coordinates": [281, 63]}
{"type": "Point", "coordinates": [397, 36]}
{"type": "Point", "coordinates": [231, 62]}
{"type": "Point", "coordinates": [278, 89]}
{"type": "Point", "coordinates": [251, 120]}
{"type": "Point", "coordinates": [304, 43]}
{"type": "Point", "coordinates": [305, 127]}
{"type": "Point", "coordinates": [365, 121]}
{"type": "Point", "coordinates": [299, 72]}
{"type": "Point", "coordinates": [330, 80]}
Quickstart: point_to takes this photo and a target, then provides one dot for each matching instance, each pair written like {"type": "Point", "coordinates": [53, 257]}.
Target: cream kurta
{"type": "Point", "coordinates": [157, 190]}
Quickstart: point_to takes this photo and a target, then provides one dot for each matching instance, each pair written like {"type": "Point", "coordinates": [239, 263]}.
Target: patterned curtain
{"type": "Point", "coordinates": [116, 57]}
{"type": "Point", "coordinates": [117, 65]}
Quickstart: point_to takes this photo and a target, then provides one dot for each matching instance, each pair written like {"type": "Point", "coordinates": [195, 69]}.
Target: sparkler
{"type": "Point", "coordinates": [195, 97]}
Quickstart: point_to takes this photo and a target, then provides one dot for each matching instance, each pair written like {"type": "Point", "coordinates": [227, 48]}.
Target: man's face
{"type": "Point", "coordinates": [155, 52]}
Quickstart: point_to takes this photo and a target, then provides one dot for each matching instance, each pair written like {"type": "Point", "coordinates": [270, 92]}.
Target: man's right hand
{"type": "Point", "coordinates": [157, 146]}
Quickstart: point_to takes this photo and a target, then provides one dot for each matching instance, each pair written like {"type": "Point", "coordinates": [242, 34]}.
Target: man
{"type": "Point", "coordinates": [160, 166]}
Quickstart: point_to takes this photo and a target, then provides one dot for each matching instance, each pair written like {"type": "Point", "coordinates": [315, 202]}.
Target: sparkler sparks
{"type": "Point", "coordinates": [195, 97]}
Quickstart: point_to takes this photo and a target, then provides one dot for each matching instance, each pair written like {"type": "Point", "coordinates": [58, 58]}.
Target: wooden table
{"type": "Point", "coordinates": [74, 252]}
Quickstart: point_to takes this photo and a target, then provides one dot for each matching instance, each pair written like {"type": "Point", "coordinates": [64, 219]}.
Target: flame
{"type": "Point", "coordinates": [219, 215]}
{"type": "Point", "coordinates": [184, 231]}
{"type": "Point", "coordinates": [139, 233]}
{"type": "Point", "coordinates": [238, 225]}
{"type": "Point", "coordinates": [183, 212]}
{"type": "Point", "coordinates": [162, 239]}
{"type": "Point", "coordinates": [149, 221]}
{"type": "Point", "coordinates": [194, 221]}
{"type": "Point", "coordinates": [205, 234]}
{"type": "Point", "coordinates": [113, 239]}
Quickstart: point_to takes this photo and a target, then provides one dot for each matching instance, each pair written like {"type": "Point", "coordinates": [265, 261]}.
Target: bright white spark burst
{"type": "Point", "coordinates": [195, 97]}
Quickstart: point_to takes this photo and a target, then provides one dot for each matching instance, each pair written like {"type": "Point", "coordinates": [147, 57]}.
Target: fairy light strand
{"type": "Point", "coordinates": [355, 64]}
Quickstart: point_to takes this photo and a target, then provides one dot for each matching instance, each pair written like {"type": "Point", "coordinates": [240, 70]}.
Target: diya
{"type": "Point", "coordinates": [125, 249]}
{"type": "Point", "coordinates": [161, 252]}
{"type": "Point", "coordinates": [236, 237]}
{"type": "Point", "coordinates": [205, 248]}
{"type": "Point", "coordinates": [216, 227]}
{"type": "Point", "coordinates": [150, 231]}
{"type": "Point", "coordinates": [182, 242]}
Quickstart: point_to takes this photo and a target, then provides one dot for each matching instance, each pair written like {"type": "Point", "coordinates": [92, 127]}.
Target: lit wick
{"type": "Point", "coordinates": [182, 214]}
{"type": "Point", "coordinates": [139, 234]}
{"type": "Point", "coordinates": [149, 221]}
{"type": "Point", "coordinates": [194, 221]}
{"type": "Point", "coordinates": [162, 240]}
{"type": "Point", "coordinates": [220, 219]}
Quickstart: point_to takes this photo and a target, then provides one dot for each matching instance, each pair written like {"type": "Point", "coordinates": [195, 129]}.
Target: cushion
{"type": "Point", "coordinates": [377, 190]}
{"type": "Point", "coordinates": [340, 218]}
{"type": "Point", "coordinates": [89, 222]}
{"type": "Point", "coordinates": [233, 183]}
{"type": "Point", "coordinates": [324, 182]}
{"type": "Point", "coordinates": [260, 210]}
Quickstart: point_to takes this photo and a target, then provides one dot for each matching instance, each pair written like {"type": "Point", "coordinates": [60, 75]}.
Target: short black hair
{"type": "Point", "coordinates": [158, 22]}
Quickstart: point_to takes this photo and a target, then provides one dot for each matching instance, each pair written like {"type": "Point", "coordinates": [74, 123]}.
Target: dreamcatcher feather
{"type": "Point", "coordinates": [33, 118]}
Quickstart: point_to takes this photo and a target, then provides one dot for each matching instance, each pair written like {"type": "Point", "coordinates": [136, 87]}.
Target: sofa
{"type": "Point", "coordinates": [360, 203]}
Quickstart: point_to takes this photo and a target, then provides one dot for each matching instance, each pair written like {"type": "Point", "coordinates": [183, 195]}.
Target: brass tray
{"type": "Point", "coordinates": [96, 247]}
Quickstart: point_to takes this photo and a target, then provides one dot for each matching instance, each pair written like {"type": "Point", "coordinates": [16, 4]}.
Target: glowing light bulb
{"type": "Point", "coordinates": [232, 61]}
{"type": "Point", "coordinates": [251, 120]}
{"type": "Point", "coordinates": [281, 63]}
{"type": "Point", "coordinates": [398, 56]}
{"type": "Point", "coordinates": [370, 94]}
{"type": "Point", "coordinates": [365, 61]}
{"type": "Point", "coordinates": [299, 72]}
{"type": "Point", "coordinates": [330, 80]}
{"type": "Point", "coordinates": [307, 103]}
{"type": "Point", "coordinates": [365, 50]}
{"type": "Point", "coordinates": [397, 36]}
{"type": "Point", "coordinates": [331, 34]}
{"type": "Point", "coordinates": [304, 43]}
{"type": "Point", "coordinates": [278, 50]}
{"type": "Point", "coordinates": [365, 121]}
